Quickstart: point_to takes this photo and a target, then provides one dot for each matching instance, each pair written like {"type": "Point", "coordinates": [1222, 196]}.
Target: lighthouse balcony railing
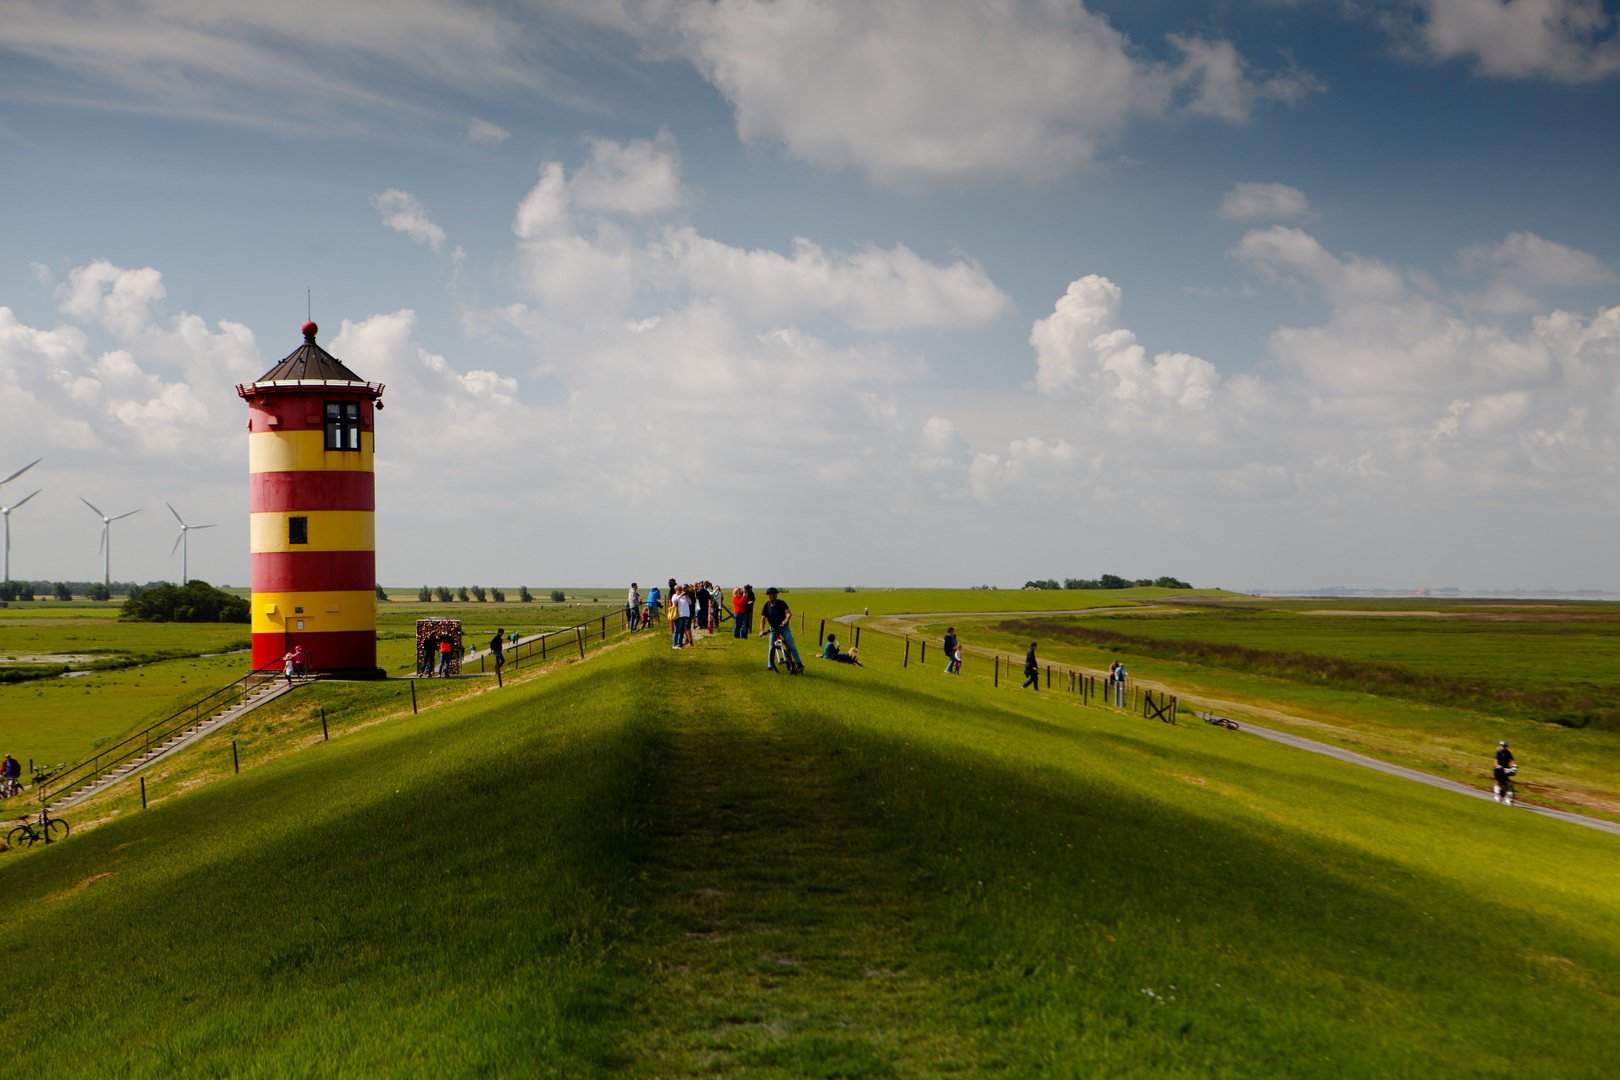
{"type": "Point", "coordinates": [93, 768]}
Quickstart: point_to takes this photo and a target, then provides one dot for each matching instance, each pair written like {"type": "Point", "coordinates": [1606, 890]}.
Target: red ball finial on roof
{"type": "Point", "coordinates": [310, 330]}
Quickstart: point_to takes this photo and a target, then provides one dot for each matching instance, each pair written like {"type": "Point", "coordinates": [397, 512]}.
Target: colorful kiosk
{"type": "Point", "coordinates": [312, 502]}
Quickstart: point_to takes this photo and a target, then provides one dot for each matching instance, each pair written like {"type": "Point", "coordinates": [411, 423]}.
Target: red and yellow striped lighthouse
{"type": "Point", "coordinates": [312, 498]}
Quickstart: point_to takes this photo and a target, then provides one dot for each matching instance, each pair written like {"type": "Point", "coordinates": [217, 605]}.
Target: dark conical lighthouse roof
{"type": "Point", "coordinates": [310, 361]}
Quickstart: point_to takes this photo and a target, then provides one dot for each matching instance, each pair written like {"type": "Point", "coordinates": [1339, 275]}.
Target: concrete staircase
{"type": "Point", "coordinates": [257, 692]}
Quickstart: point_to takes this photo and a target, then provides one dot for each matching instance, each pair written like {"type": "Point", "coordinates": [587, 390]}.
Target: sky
{"type": "Point", "coordinates": [1262, 295]}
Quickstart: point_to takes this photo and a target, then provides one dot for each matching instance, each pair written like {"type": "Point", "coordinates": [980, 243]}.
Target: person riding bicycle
{"type": "Point", "coordinates": [778, 619]}
{"type": "Point", "coordinates": [1503, 773]}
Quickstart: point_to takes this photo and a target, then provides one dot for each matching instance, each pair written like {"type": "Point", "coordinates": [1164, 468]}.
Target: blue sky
{"type": "Point", "coordinates": [1262, 295]}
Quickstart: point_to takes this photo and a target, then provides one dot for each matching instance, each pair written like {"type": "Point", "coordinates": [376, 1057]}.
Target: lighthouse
{"type": "Point", "coordinates": [312, 504]}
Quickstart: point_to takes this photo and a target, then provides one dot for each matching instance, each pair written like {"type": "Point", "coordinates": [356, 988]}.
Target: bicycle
{"type": "Point", "coordinates": [9, 786]}
{"type": "Point", "coordinates": [780, 658]}
{"type": "Point", "coordinates": [48, 829]}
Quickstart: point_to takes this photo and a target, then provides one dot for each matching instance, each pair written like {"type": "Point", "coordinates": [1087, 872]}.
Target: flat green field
{"type": "Point", "coordinates": [678, 864]}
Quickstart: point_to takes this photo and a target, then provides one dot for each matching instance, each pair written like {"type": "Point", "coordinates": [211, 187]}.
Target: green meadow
{"type": "Point", "coordinates": [659, 863]}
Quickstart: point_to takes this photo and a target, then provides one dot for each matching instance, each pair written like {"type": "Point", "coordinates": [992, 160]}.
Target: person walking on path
{"type": "Point", "coordinates": [495, 648]}
{"type": "Point", "coordinates": [950, 650]}
{"type": "Point", "coordinates": [1120, 675]}
{"type": "Point", "coordinates": [287, 668]}
{"type": "Point", "coordinates": [10, 777]}
{"type": "Point", "coordinates": [632, 607]}
{"type": "Point", "coordinates": [681, 607]}
{"type": "Point", "coordinates": [777, 619]}
{"type": "Point", "coordinates": [1032, 669]}
{"type": "Point", "coordinates": [445, 650]}
{"type": "Point", "coordinates": [1503, 774]}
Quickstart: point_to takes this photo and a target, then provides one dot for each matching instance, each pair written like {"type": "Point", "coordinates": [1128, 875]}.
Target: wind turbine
{"type": "Point", "coordinates": [180, 541]}
{"type": "Point", "coordinates": [5, 511]}
{"type": "Point", "coordinates": [106, 533]}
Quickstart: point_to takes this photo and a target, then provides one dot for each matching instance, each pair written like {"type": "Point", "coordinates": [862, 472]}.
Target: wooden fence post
{"type": "Point", "coordinates": [906, 660]}
{"type": "Point", "coordinates": [922, 657]}
{"type": "Point", "coordinates": [543, 646]}
{"type": "Point", "coordinates": [326, 736]}
{"type": "Point", "coordinates": [236, 762]}
{"type": "Point", "coordinates": [143, 793]}
{"type": "Point", "coordinates": [997, 675]}
{"type": "Point", "coordinates": [1049, 676]}
{"type": "Point", "coordinates": [823, 633]}
{"type": "Point", "coordinates": [413, 697]}
{"type": "Point", "coordinates": [580, 638]}
{"type": "Point", "coordinates": [857, 635]}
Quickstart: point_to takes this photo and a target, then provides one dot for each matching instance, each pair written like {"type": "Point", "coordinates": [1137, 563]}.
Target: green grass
{"type": "Point", "coordinates": [677, 864]}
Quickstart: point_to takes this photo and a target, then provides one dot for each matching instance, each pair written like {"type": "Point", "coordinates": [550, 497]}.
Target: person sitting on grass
{"type": "Point", "coordinates": [831, 652]}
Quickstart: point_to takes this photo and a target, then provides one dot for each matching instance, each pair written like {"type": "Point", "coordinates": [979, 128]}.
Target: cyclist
{"type": "Point", "coordinates": [778, 619]}
{"type": "Point", "coordinates": [1503, 774]}
{"type": "Point", "coordinates": [10, 774]}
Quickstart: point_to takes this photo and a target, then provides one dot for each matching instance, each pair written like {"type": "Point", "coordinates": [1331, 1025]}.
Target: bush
{"type": "Point", "coordinates": [478, 593]}
{"type": "Point", "coordinates": [424, 594]}
{"type": "Point", "coordinates": [98, 591]}
{"type": "Point", "coordinates": [849, 588]}
{"type": "Point", "coordinates": [558, 596]}
{"type": "Point", "coordinates": [524, 595]}
{"type": "Point", "coordinates": [197, 601]}
{"type": "Point", "coordinates": [1047, 584]}
{"type": "Point", "coordinates": [443, 594]}
{"type": "Point", "coordinates": [381, 595]}
{"type": "Point", "coordinates": [61, 591]}
{"type": "Point", "coordinates": [496, 595]}
{"type": "Point", "coordinates": [461, 594]}
{"type": "Point", "coordinates": [1170, 583]}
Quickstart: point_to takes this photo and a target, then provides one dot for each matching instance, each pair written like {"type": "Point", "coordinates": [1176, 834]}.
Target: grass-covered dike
{"type": "Point", "coordinates": [676, 864]}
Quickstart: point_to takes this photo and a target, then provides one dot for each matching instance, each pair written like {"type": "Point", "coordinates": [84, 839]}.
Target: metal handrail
{"type": "Point", "coordinates": [94, 767]}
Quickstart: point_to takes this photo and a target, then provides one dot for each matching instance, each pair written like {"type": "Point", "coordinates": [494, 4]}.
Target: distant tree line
{"type": "Point", "coordinates": [1109, 581]}
{"type": "Point", "coordinates": [196, 601]}
{"type": "Point", "coordinates": [67, 590]}
{"type": "Point", "coordinates": [477, 593]}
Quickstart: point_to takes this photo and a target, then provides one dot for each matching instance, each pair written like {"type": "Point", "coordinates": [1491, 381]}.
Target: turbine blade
{"type": "Point", "coordinates": [188, 526]}
{"type": "Point", "coordinates": [36, 491]}
{"type": "Point", "coordinates": [177, 540]}
{"type": "Point", "coordinates": [176, 514]}
{"type": "Point", "coordinates": [124, 515]}
{"type": "Point", "coordinates": [22, 470]}
{"type": "Point", "coordinates": [93, 506]}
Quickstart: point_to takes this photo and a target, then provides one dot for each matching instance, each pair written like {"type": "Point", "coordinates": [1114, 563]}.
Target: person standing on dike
{"type": "Point", "coordinates": [1032, 669]}
{"type": "Point", "coordinates": [748, 611]}
{"type": "Point", "coordinates": [739, 614]}
{"type": "Point", "coordinates": [632, 607]}
{"type": "Point", "coordinates": [496, 648]}
{"type": "Point", "coordinates": [950, 649]}
{"type": "Point", "coordinates": [681, 608]}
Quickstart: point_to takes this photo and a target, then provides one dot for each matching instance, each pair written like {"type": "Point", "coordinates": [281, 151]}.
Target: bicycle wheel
{"type": "Point", "coordinates": [779, 657]}
{"type": "Point", "coordinates": [59, 828]}
{"type": "Point", "coordinates": [19, 837]}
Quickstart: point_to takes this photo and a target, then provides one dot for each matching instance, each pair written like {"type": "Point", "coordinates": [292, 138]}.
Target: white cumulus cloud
{"type": "Point", "coordinates": [404, 214]}
{"type": "Point", "coordinates": [1251, 201]}
{"type": "Point", "coordinates": [1563, 40]}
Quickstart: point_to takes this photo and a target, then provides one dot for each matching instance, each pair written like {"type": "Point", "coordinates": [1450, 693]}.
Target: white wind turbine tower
{"type": "Point", "coordinates": [106, 533]}
{"type": "Point", "coordinates": [180, 542]}
{"type": "Point", "coordinates": [5, 511]}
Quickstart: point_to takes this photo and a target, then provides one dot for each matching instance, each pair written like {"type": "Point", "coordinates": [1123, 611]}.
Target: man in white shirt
{"type": "Point", "coordinates": [632, 607]}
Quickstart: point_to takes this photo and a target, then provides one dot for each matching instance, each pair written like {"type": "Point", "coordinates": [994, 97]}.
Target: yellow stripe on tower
{"type": "Point", "coordinates": [276, 612]}
{"type": "Point", "coordinates": [325, 530]}
{"type": "Point", "coordinates": [304, 451]}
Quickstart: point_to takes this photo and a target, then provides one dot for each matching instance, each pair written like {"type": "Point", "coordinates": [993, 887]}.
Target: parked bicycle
{"type": "Point", "coordinates": [9, 786]}
{"type": "Point", "coordinates": [45, 829]}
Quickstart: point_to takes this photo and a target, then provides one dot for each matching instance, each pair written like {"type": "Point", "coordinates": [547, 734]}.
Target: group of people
{"type": "Point", "coordinates": [439, 649]}
{"type": "Point", "coordinates": [294, 664]}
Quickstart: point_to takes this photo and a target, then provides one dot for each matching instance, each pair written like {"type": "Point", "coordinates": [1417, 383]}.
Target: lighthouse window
{"type": "Point", "coordinates": [343, 425]}
{"type": "Point", "coordinates": [298, 530]}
